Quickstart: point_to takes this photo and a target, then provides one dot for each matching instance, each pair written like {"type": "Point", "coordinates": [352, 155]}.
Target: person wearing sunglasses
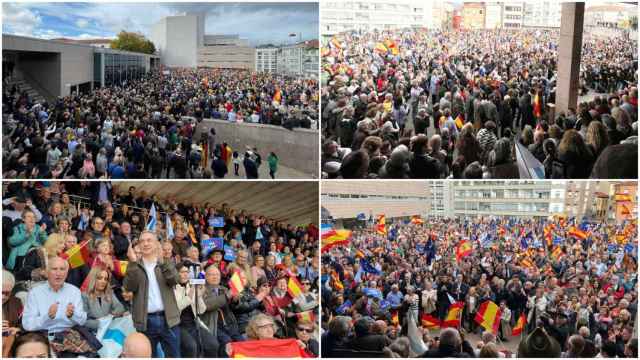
{"type": "Point", "coordinates": [305, 336]}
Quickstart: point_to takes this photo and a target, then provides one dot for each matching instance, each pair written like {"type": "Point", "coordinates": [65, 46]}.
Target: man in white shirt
{"type": "Point", "coordinates": [55, 305]}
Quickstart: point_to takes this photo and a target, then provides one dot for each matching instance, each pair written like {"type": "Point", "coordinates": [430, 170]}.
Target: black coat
{"type": "Point", "coordinates": [444, 352]}
{"type": "Point", "coordinates": [424, 166]}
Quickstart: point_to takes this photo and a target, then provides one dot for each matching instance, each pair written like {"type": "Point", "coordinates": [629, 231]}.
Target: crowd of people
{"type": "Point", "coordinates": [436, 104]}
{"type": "Point", "coordinates": [194, 279]}
{"type": "Point", "coordinates": [393, 295]}
{"type": "Point", "coordinates": [147, 128]}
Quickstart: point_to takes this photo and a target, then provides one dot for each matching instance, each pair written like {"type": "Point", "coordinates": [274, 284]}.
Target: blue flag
{"type": "Point", "coordinates": [628, 248]}
{"type": "Point", "coordinates": [612, 247]}
{"type": "Point", "coordinates": [216, 222]}
{"type": "Point", "coordinates": [151, 225]}
{"type": "Point", "coordinates": [361, 216]}
{"type": "Point", "coordinates": [229, 253]}
{"type": "Point", "coordinates": [486, 240]}
{"type": "Point", "coordinates": [366, 267]}
{"type": "Point", "coordinates": [343, 308]}
{"type": "Point", "coordinates": [557, 240]}
{"type": "Point", "coordinates": [384, 304]}
{"type": "Point", "coordinates": [169, 226]}
{"type": "Point", "coordinates": [420, 248]}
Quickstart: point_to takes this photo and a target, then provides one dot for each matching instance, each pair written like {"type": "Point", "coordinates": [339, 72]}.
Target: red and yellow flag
{"type": "Point", "coordinates": [192, 234]}
{"type": "Point", "coordinates": [391, 46]}
{"type": "Point", "coordinates": [294, 288]}
{"type": "Point", "coordinates": [537, 106]}
{"type": "Point", "coordinates": [395, 319]}
{"type": "Point", "coordinates": [336, 43]}
{"type": "Point", "coordinates": [335, 280]}
{"type": "Point", "coordinates": [520, 324]}
{"type": "Point", "coordinates": [488, 316]}
{"type": "Point", "coordinates": [453, 316]}
{"type": "Point", "coordinates": [429, 321]}
{"type": "Point", "coordinates": [459, 122]}
{"type": "Point", "coordinates": [623, 197]}
{"type": "Point", "coordinates": [237, 283]}
{"type": "Point", "coordinates": [335, 238]}
{"type": "Point", "coordinates": [577, 233]}
{"type": "Point", "coordinates": [557, 253]}
{"type": "Point", "coordinates": [78, 255]}
{"type": "Point", "coordinates": [381, 227]}
{"type": "Point", "coordinates": [272, 348]}
{"type": "Point", "coordinates": [277, 97]}
{"type": "Point", "coordinates": [417, 220]}
{"type": "Point", "coordinates": [463, 249]}
{"type": "Point", "coordinates": [526, 263]}
{"type": "Point", "coordinates": [381, 48]}
{"type": "Point", "coordinates": [305, 316]}
{"type": "Point", "coordinates": [120, 267]}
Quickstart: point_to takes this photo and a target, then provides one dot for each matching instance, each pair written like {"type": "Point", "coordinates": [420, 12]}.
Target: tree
{"type": "Point", "coordinates": [131, 41]}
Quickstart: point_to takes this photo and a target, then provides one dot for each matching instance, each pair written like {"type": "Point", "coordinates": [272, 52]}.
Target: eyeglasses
{"type": "Point", "coordinates": [307, 330]}
{"type": "Point", "coordinates": [265, 326]}
{"type": "Point", "coordinates": [306, 283]}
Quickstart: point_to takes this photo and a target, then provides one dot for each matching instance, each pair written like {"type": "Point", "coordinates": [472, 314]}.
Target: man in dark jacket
{"type": "Point", "coordinates": [250, 167]}
{"type": "Point", "coordinates": [149, 284]}
{"type": "Point", "coordinates": [364, 339]}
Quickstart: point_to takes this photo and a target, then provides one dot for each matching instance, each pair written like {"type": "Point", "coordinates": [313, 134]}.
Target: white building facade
{"type": "Point", "coordinates": [341, 16]}
{"type": "Point", "coordinates": [267, 59]}
{"type": "Point", "coordinates": [177, 39]}
{"type": "Point", "coordinates": [542, 14]}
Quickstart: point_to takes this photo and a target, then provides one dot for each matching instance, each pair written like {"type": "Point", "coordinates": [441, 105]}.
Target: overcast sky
{"type": "Point", "coordinates": [261, 23]}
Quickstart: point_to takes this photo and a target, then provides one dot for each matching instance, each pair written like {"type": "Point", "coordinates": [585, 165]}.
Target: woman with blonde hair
{"type": "Point", "coordinates": [597, 137]}
{"type": "Point", "coordinates": [261, 327]}
{"type": "Point", "coordinates": [99, 300]}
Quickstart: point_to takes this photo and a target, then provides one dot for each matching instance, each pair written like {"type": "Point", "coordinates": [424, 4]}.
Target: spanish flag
{"type": "Point", "coordinates": [577, 233]}
{"type": "Point", "coordinates": [381, 227]}
{"type": "Point", "coordinates": [335, 280]}
{"type": "Point", "coordinates": [305, 316]}
{"type": "Point", "coordinates": [333, 238]}
{"type": "Point", "coordinates": [537, 106]}
{"type": "Point", "coordinates": [294, 288]}
{"type": "Point", "coordinates": [488, 316]}
{"type": "Point", "coordinates": [336, 43]}
{"type": "Point", "coordinates": [623, 197]}
{"type": "Point", "coordinates": [381, 48]}
{"type": "Point", "coordinates": [120, 267]}
{"type": "Point", "coordinates": [359, 254]}
{"type": "Point", "coordinates": [277, 97]}
{"type": "Point", "coordinates": [463, 249]}
{"type": "Point", "coordinates": [429, 321]}
{"type": "Point", "coordinates": [522, 321]}
{"type": "Point", "coordinates": [392, 46]}
{"type": "Point", "coordinates": [459, 121]}
{"type": "Point", "coordinates": [502, 231]}
{"type": "Point", "coordinates": [272, 348]}
{"type": "Point", "coordinates": [453, 316]}
{"type": "Point", "coordinates": [237, 283]}
{"type": "Point", "coordinates": [395, 320]}
{"type": "Point", "coordinates": [417, 220]}
{"type": "Point", "coordinates": [625, 210]}
{"type": "Point", "coordinates": [78, 255]}
{"type": "Point", "coordinates": [192, 234]}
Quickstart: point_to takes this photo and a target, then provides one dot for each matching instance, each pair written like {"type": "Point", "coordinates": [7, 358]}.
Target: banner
{"type": "Point", "coordinates": [112, 332]}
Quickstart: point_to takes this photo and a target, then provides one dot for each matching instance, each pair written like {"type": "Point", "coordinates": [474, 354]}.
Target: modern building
{"type": "Point", "coordinates": [493, 15]}
{"type": "Point", "coordinates": [610, 16]}
{"type": "Point", "coordinates": [52, 68]}
{"type": "Point", "coordinates": [440, 198]}
{"type": "Point", "coordinates": [346, 199]}
{"type": "Point", "coordinates": [301, 59]}
{"type": "Point", "coordinates": [226, 52]}
{"type": "Point", "coordinates": [340, 16]}
{"type": "Point", "coordinates": [505, 198]}
{"type": "Point", "coordinates": [266, 58]}
{"type": "Point", "coordinates": [473, 15]}
{"type": "Point", "coordinates": [181, 42]}
{"type": "Point", "coordinates": [512, 15]}
{"type": "Point", "coordinates": [586, 198]}
{"type": "Point", "coordinates": [178, 38]}
{"type": "Point", "coordinates": [103, 43]}
{"type": "Point", "coordinates": [542, 14]}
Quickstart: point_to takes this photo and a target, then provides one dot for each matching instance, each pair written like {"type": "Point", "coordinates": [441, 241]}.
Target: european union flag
{"type": "Point", "coordinates": [612, 247]}
{"type": "Point", "coordinates": [420, 248]}
{"type": "Point", "coordinates": [361, 216]}
{"type": "Point", "coordinates": [366, 267]}
{"type": "Point", "coordinates": [216, 222]}
{"type": "Point", "coordinates": [229, 253]}
{"type": "Point", "coordinates": [343, 308]}
{"type": "Point", "coordinates": [384, 304]}
{"type": "Point", "coordinates": [486, 240]}
{"type": "Point", "coordinates": [628, 248]}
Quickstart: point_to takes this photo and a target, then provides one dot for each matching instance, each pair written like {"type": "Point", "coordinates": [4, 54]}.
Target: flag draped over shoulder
{"type": "Point", "coordinates": [488, 316]}
{"type": "Point", "coordinates": [272, 348]}
{"type": "Point", "coordinates": [453, 316]}
{"type": "Point", "coordinates": [78, 255]}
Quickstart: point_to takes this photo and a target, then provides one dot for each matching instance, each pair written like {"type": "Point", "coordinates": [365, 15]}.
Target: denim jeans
{"type": "Point", "coordinates": [159, 332]}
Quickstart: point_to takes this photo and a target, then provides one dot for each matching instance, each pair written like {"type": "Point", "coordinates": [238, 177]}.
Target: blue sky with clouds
{"type": "Point", "coordinates": [261, 23]}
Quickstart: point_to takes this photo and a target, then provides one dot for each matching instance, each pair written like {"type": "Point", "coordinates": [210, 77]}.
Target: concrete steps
{"type": "Point", "coordinates": [24, 86]}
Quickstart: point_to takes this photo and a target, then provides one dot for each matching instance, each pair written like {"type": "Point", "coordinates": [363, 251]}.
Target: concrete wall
{"type": "Point", "coordinates": [227, 57]}
{"type": "Point", "coordinates": [159, 38]}
{"type": "Point", "coordinates": [177, 39]}
{"type": "Point", "coordinates": [77, 68]}
{"type": "Point", "coordinates": [297, 149]}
